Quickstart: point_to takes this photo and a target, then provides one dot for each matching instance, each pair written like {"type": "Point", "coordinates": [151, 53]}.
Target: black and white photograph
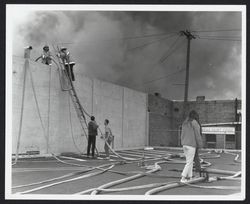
{"type": "Point", "coordinates": [125, 102]}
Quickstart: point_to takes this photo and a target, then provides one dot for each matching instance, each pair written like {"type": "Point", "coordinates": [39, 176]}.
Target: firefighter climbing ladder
{"type": "Point", "coordinates": [76, 102]}
{"type": "Point", "coordinates": [77, 105]}
{"type": "Point", "coordinates": [74, 98]}
{"type": "Point", "coordinates": [80, 110]}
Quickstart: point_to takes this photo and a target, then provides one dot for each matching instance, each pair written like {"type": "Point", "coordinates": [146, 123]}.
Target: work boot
{"type": "Point", "coordinates": [184, 180]}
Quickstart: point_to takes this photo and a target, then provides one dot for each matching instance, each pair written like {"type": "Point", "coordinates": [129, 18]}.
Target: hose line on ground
{"type": "Point", "coordinates": [64, 181]}
{"type": "Point", "coordinates": [113, 183]}
{"type": "Point", "coordinates": [26, 64]}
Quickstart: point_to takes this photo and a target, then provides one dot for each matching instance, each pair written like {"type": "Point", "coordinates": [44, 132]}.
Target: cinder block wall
{"type": "Point", "coordinates": [161, 131]}
{"type": "Point", "coordinates": [165, 117]}
{"type": "Point", "coordinates": [216, 111]}
{"type": "Point", "coordinates": [125, 108]}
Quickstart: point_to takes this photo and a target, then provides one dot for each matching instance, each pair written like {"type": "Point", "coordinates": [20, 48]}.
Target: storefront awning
{"type": "Point", "coordinates": [218, 130]}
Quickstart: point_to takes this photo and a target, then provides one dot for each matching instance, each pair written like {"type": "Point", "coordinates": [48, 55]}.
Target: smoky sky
{"type": "Point", "coordinates": [108, 45]}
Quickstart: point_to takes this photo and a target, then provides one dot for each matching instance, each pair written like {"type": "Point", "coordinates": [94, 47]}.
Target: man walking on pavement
{"type": "Point", "coordinates": [92, 132]}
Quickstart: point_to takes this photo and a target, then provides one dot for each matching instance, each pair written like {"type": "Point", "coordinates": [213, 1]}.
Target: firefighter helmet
{"type": "Point", "coordinates": [63, 48]}
{"type": "Point", "coordinates": [45, 46]}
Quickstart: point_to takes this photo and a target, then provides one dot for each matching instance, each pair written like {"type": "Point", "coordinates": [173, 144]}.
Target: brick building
{"type": "Point", "coordinates": [220, 119]}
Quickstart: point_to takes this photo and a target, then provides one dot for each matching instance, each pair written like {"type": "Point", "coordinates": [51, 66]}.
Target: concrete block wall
{"type": "Point", "coordinates": [161, 131]}
{"type": "Point", "coordinates": [209, 111]}
{"type": "Point", "coordinates": [107, 104]}
{"type": "Point", "coordinates": [165, 117]}
{"type": "Point", "coordinates": [125, 108]}
{"type": "Point", "coordinates": [134, 115]}
{"type": "Point", "coordinates": [215, 111]}
{"type": "Point", "coordinates": [32, 128]}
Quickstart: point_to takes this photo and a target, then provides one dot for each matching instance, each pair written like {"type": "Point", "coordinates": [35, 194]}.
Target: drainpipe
{"type": "Point", "coordinates": [235, 108]}
{"type": "Point", "coordinates": [236, 120]}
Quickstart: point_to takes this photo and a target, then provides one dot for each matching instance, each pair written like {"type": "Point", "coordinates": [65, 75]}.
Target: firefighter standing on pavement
{"type": "Point", "coordinates": [92, 133]}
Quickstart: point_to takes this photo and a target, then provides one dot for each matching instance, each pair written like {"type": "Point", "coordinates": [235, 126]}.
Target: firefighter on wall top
{"type": "Point", "coordinates": [67, 61]}
{"type": "Point", "coordinates": [45, 56]}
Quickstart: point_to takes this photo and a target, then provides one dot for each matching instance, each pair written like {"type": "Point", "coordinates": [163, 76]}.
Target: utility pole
{"type": "Point", "coordinates": [189, 37]}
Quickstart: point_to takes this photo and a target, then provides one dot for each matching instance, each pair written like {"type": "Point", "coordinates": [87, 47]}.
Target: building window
{"type": "Point", "coordinates": [230, 138]}
{"type": "Point", "coordinates": [176, 109]}
{"type": "Point", "coordinates": [210, 141]}
{"type": "Point", "coordinates": [210, 138]}
{"type": "Point", "coordinates": [230, 142]}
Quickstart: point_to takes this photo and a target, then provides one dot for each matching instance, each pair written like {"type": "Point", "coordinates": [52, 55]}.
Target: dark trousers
{"type": "Point", "coordinates": [48, 61]}
{"type": "Point", "coordinates": [91, 143]}
{"type": "Point", "coordinates": [197, 163]}
{"type": "Point", "coordinates": [69, 70]}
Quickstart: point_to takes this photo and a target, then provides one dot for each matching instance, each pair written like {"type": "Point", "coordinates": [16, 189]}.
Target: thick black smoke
{"type": "Point", "coordinates": [99, 44]}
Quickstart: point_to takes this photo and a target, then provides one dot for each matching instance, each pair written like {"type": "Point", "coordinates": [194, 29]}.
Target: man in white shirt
{"type": "Point", "coordinates": [108, 138]}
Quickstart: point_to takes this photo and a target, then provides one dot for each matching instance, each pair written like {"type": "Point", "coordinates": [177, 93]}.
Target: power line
{"type": "Point", "coordinates": [171, 46]}
{"type": "Point", "coordinates": [226, 30]}
{"type": "Point", "coordinates": [143, 45]}
{"type": "Point", "coordinates": [173, 51]}
{"type": "Point", "coordinates": [219, 36]}
{"type": "Point", "coordinates": [163, 77]}
{"type": "Point", "coordinates": [146, 36]}
{"type": "Point", "coordinates": [165, 57]}
{"type": "Point", "coordinates": [124, 38]}
{"type": "Point", "coordinates": [169, 54]}
{"type": "Point", "coordinates": [225, 39]}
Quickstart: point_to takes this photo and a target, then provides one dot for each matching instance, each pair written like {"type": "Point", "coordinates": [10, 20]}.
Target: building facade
{"type": "Point", "coordinates": [57, 128]}
{"type": "Point", "coordinates": [220, 120]}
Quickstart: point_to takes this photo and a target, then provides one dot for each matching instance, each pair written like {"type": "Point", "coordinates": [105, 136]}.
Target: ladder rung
{"type": "Point", "coordinates": [77, 106]}
{"type": "Point", "coordinates": [77, 109]}
{"type": "Point", "coordinates": [76, 102]}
